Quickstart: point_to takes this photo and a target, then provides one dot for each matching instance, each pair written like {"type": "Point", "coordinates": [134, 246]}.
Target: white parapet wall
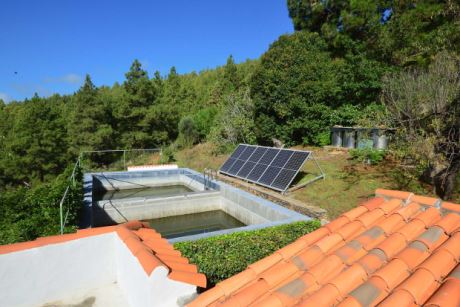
{"type": "Point", "coordinates": [49, 273]}
{"type": "Point", "coordinates": [152, 167]}
{"type": "Point", "coordinates": [141, 289]}
{"type": "Point", "coordinates": [69, 272]}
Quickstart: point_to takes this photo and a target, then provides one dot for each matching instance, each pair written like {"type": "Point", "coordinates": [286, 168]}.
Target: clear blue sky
{"type": "Point", "coordinates": [53, 44]}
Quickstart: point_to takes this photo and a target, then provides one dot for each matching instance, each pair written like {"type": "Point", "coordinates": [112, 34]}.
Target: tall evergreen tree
{"type": "Point", "coordinates": [132, 110]}
{"type": "Point", "coordinates": [89, 126]}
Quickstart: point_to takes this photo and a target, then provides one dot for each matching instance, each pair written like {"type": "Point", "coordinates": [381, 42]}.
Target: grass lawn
{"type": "Point", "coordinates": [347, 182]}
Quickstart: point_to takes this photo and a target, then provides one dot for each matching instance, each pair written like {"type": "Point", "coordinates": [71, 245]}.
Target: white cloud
{"type": "Point", "coordinates": [69, 78]}
{"type": "Point", "coordinates": [5, 97]}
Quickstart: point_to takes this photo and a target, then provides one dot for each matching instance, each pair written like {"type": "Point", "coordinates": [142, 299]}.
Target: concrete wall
{"type": "Point", "coordinates": [144, 208]}
{"type": "Point", "coordinates": [142, 290]}
{"type": "Point", "coordinates": [138, 179]}
{"type": "Point", "coordinates": [58, 272]}
{"type": "Point", "coordinates": [252, 210]}
{"type": "Point", "coordinates": [53, 272]}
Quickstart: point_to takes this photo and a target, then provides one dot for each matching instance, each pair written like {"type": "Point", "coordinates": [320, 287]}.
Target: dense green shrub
{"type": "Point", "coordinates": [300, 90]}
{"type": "Point", "coordinates": [368, 155]}
{"type": "Point", "coordinates": [167, 155]}
{"type": "Point", "coordinates": [188, 133]}
{"type": "Point", "coordinates": [28, 213]}
{"type": "Point", "coordinates": [223, 256]}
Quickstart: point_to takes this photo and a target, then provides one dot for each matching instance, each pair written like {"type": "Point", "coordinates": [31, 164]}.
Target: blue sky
{"type": "Point", "coordinates": [53, 44]}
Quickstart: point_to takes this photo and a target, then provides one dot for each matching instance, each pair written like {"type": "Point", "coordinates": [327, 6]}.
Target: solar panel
{"type": "Point", "coordinates": [271, 167]}
{"type": "Point", "coordinates": [256, 172]}
{"type": "Point", "coordinates": [246, 169]}
{"type": "Point", "coordinates": [246, 153]}
{"type": "Point", "coordinates": [236, 167]}
{"type": "Point", "coordinates": [227, 165]}
{"type": "Point", "coordinates": [258, 153]}
{"type": "Point", "coordinates": [282, 157]}
{"type": "Point", "coordinates": [269, 155]}
{"type": "Point", "coordinates": [238, 151]}
{"type": "Point", "coordinates": [297, 159]}
{"type": "Point", "coordinates": [269, 175]}
{"type": "Point", "coordinates": [283, 179]}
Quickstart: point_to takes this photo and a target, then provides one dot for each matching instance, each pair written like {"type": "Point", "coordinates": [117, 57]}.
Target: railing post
{"type": "Point", "coordinates": [62, 217]}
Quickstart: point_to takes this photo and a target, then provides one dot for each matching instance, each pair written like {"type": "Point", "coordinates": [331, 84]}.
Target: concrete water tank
{"type": "Point", "coordinates": [349, 138]}
{"type": "Point", "coordinates": [337, 138]}
{"type": "Point", "coordinates": [364, 139]}
{"type": "Point", "coordinates": [382, 142]}
{"type": "Point", "coordinates": [379, 138]}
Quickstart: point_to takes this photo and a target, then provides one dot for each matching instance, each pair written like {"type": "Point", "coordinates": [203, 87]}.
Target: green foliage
{"type": "Point", "coordinates": [368, 155]}
{"type": "Point", "coordinates": [28, 213]}
{"type": "Point", "coordinates": [235, 123]}
{"type": "Point", "coordinates": [411, 34]}
{"type": "Point", "coordinates": [300, 90]}
{"type": "Point", "coordinates": [223, 256]}
{"type": "Point", "coordinates": [167, 155]}
{"type": "Point", "coordinates": [188, 133]}
{"type": "Point", "coordinates": [424, 103]}
{"type": "Point", "coordinates": [204, 121]}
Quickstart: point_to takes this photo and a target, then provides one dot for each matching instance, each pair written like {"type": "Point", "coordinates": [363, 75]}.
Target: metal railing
{"type": "Point", "coordinates": [61, 203]}
{"type": "Point", "coordinates": [79, 164]}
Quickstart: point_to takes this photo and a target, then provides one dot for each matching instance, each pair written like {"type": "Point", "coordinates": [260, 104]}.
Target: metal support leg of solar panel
{"type": "Point", "coordinates": [270, 167]}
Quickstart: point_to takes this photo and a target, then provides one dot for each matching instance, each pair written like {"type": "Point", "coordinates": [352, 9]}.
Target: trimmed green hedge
{"type": "Point", "coordinates": [223, 256]}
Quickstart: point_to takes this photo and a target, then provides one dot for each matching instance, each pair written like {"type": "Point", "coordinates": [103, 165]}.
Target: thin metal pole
{"type": "Point", "coordinates": [124, 159]}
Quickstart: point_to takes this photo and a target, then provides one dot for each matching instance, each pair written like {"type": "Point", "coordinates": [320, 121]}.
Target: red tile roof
{"type": "Point", "coordinates": [397, 249]}
{"type": "Point", "coordinates": [144, 243]}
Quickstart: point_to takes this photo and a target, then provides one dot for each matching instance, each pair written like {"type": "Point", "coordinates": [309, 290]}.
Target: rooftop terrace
{"type": "Point", "coordinates": [124, 265]}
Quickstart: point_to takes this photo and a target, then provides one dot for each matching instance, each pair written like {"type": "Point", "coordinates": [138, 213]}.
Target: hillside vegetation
{"type": "Point", "coordinates": [373, 63]}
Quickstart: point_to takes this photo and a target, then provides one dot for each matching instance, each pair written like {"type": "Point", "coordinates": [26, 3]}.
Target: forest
{"type": "Point", "coordinates": [356, 62]}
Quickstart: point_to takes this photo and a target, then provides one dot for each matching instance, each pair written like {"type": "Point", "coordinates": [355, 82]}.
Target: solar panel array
{"type": "Point", "coordinates": [271, 167]}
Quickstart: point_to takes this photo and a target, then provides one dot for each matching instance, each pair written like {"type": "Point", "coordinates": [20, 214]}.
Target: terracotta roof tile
{"type": "Point", "coordinates": [450, 207]}
{"type": "Point", "coordinates": [448, 295]}
{"type": "Point", "coordinates": [145, 244]}
{"type": "Point", "coordinates": [397, 249]}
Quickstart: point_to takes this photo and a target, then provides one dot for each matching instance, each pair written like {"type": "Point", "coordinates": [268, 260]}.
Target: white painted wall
{"type": "Point", "coordinates": [52, 272]}
{"type": "Point", "coordinates": [152, 167]}
{"type": "Point", "coordinates": [57, 272]}
{"type": "Point", "coordinates": [143, 290]}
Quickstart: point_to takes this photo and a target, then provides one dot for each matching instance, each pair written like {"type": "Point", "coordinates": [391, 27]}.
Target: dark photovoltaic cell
{"type": "Point", "coordinates": [282, 158]}
{"type": "Point", "coordinates": [283, 179]}
{"type": "Point", "coordinates": [238, 151]}
{"type": "Point", "coordinates": [257, 155]}
{"type": "Point", "coordinates": [269, 175]}
{"type": "Point", "coordinates": [247, 167]}
{"type": "Point", "coordinates": [236, 167]}
{"type": "Point", "coordinates": [256, 172]}
{"type": "Point", "coordinates": [271, 167]}
{"type": "Point", "coordinates": [296, 160]}
{"type": "Point", "coordinates": [247, 153]}
{"type": "Point", "coordinates": [227, 165]}
{"type": "Point", "coordinates": [268, 156]}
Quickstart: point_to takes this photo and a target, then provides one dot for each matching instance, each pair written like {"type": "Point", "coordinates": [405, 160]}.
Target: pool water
{"type": "Point", "coordinates": [151, 192]}
{"type": "Point", "coordinates": [192, 224]}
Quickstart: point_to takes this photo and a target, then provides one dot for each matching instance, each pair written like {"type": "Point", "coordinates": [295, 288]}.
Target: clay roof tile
{"type": "Point", "coordinates": [448, 295]}
{"type": "Point", "coordinates": [392, 194]}
{"type": "Point", "coordinates": [189, 277]}
{"type": "Point", "coordinates": [393, 250]}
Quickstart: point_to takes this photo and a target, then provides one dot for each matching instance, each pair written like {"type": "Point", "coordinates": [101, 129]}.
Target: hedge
{"type": "Point", "coordinates": [223, 256]}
